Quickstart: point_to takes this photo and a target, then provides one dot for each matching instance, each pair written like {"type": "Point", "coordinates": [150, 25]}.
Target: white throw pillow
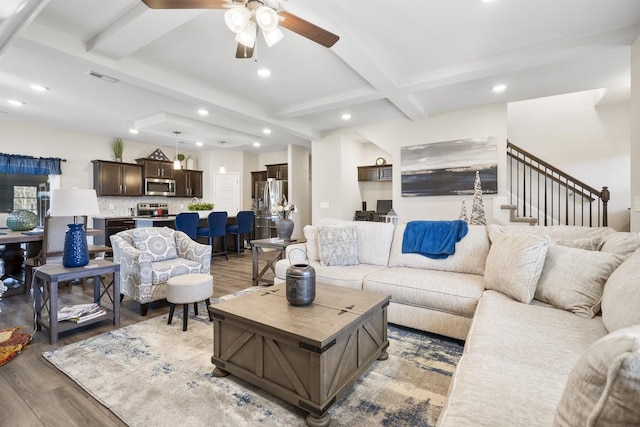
{"type": "Point", "coordinates": [160, 243]}
{"type": "Point", "coordinates": [588, 243]}
{"type": "Point", "coordinates": [603, 388]}
{"type": "Point", "coordinates": [621, 296]}
{"type": "Point", "coordinates": [514, 264]}
{"type": "Point", "coordinates": [338, 244]}
{"type": "Point", "coordinates": [573, 279]}
{"type": "Point", "coordinates": [621, 243]}
{"type": "Point", "coordinates": [311, 235]}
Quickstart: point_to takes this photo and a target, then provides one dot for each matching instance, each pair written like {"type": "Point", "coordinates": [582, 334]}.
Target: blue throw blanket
{"type": "Point", "coordinates": [433, 239]}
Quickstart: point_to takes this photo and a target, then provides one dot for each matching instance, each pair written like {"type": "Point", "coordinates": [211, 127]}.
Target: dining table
{"type": "Point", "coordinates": [13, 255]}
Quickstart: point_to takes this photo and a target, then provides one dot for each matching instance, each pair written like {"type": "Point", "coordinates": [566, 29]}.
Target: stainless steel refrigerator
{"type": "Point", "coordinates": [269, 194]}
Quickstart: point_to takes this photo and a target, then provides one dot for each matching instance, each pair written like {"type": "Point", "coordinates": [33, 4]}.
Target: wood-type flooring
{"type": "Point", "coordinates": [34, 393]}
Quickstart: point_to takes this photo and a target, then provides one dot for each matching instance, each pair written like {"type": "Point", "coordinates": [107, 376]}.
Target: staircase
{"type": "Point", "coordinates": [540, 193]}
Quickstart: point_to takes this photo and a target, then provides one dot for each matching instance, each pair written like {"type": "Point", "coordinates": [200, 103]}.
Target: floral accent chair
{"type": "Point", "coordinates": [149, 256]}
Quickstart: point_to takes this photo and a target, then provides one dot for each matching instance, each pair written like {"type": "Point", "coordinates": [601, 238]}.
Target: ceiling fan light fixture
{"type": "Point", "coordinates": [247, 36]}
{"type": "Point", "coordinates": [266, 18]}
{"type": "Point", "coordinates": [237, 19]}
{"type": "Point", "coordinates": [272, 37]}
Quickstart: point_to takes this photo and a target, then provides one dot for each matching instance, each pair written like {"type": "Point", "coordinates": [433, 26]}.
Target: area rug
{"type": "Point", "coordinates": [151, 373]}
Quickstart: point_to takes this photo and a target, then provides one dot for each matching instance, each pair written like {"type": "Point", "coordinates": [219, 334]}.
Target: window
{"type": "Point", "coordinates": [21, 191]}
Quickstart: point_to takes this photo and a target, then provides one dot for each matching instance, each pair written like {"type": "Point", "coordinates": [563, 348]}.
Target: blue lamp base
{"type": "Point", "coordinates": [76, 249]}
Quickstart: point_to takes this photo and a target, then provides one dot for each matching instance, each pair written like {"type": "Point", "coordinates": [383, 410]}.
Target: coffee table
{"type": "Point", "coordinates": [305, 355]}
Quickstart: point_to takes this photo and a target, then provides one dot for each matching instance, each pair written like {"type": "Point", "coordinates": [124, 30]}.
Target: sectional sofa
{"type": "Point", "coordinates": [550, 315]}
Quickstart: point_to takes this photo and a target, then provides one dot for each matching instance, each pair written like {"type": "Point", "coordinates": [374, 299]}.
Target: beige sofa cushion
{"type": "Point", "coordinates": [514, 264]}
{"type": "Point", "coordinates": [555, 232]}
{"type": "Point", "coordinates": [573, 279]}
{"type": "Point", "coordinates": [374, 240]}
{"type": "Point", "coordinates": [621, 296]}
{"type": "Point", "coordinates": [539, 334]}
{"type": "Point", "coordinates": [603, 389]}
{"type": "Point", "coordinates": [470, 257]}
{"type": "Point", "coordinates": [621, 243]}
{"type": "Point", "coordinates": [489, 391]}
{"type": "Point", "coordinates": [455, 293]}
{"type": "Point", "coordinates": [588, 243]}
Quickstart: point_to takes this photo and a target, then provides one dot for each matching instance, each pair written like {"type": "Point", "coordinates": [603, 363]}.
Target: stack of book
{"type": "Point", "coordinates": [79, 313]}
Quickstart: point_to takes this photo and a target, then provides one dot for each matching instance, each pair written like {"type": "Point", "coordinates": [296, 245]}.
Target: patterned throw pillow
{"type": "Point", "coordinates": [158, 242]}
{"type": "Point", "coordinates": [338, 244]}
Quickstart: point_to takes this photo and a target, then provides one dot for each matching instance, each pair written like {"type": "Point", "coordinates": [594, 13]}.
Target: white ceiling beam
{"type": "Point", "coordinates": [320, 105]}
{"type": "Point", "coordinates": [154, 79]}
{"type": "Point", "coordinates": [135, 29]}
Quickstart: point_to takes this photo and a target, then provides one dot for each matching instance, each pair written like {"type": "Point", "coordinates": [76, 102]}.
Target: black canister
{"type": "Point", "coordinates": [301, 283]}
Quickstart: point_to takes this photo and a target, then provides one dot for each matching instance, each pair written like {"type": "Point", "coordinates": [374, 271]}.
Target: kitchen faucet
{"type": "Point", "coordinates": [194, 200]}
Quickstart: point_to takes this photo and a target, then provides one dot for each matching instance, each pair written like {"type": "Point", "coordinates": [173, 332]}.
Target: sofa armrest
{"type": "Point", "coordinates": [194, 251]}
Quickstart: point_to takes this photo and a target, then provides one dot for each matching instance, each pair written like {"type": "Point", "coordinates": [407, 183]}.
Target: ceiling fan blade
{"type": "Point", "coordinates": [188, 4]}
{"type": "Point", "coordinates": [244, 52]}
{"type": "Point", "coordinates": [307, 29]}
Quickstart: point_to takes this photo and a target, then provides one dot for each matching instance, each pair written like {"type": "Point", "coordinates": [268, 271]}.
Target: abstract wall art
{"type": "Point", "coordinates": [449, 167]}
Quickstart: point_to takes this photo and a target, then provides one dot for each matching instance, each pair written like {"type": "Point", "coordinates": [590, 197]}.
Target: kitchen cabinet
{"type": "Point", "coordinates": [278, 171]}
{"type": "Point", "coordinates": [256, 177]}
{"type": "Point", "coordinates": [156, 168]}
{"type": "Point", "coordinates": [117, 179]}
{"type": "Point", "coordinates": [375, 173]}
{"type": "Point", "coordinates": [188, 183]}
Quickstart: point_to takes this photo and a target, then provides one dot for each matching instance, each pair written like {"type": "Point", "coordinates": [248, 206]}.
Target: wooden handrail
{"type": "Point", "coordinates": [553, 178]}
{"type": "Point", "coordinates": [555, 169]}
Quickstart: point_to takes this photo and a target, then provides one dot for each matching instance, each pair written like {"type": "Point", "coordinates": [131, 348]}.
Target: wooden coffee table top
{"type": "Point", "coordinates": [331, 312]}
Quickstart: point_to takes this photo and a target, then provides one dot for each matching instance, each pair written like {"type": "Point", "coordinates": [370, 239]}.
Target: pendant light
{"type": "Point", "coordinates": [176, 162]}
{"type": "Point", "coordinates": [222, 169]}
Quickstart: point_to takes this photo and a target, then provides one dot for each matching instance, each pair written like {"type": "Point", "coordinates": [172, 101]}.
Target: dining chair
{"type": "Point", "coordinates": [217, 223]}
{"type": "Point", "coordinates": [244, 226]}
{"type": "Point", "coordinates": [54, 231]}
{"type": "Point", "coordinates": [187, 222]}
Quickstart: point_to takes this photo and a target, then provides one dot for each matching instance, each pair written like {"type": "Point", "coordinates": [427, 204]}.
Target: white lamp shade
{"type": "Point", "coordinates": [266, 18]}
{"type": "Point", "coordinates": [177, 165]}
{"type": "Point", "coordinates": [237, 18]}
{"type": "Point", "coordinates": [74, 202]}
{"type": "Point", "coordinates": [247, 36]}
{"type": "Point", "coordinates": [272, 37]}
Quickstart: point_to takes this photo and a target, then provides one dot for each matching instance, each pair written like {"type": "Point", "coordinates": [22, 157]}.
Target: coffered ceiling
{"type": "Point", "coordinates": [409, 59]}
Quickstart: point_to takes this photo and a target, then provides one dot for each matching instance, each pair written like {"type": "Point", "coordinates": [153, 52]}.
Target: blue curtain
{"type": "Point", "coordinates": [27, 165]}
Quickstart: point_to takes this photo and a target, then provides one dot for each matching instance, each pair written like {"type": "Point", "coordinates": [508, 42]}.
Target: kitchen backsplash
{"type": "Point", "coordinates": [121, 206]}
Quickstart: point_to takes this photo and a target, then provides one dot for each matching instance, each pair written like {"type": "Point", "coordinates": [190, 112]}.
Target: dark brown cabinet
{"type": "Point", "coordinates": [375, 173]}
{"type": "Point", "coordinates": [156, 168]}
{"type": "Point", "coordinates": [278, 171]}
{"type": "Point", "coordinates": [257, 176]}
{"type": "Point", "coordinates": [188, 183]}
{"type": "Point", "coordinates": [117, 179]}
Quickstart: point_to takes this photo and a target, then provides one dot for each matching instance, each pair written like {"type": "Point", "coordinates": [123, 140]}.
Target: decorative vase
{"type": "Point", "coordinates": [300, 283]}
{"type": "Point", "coordinates": [22, 220]}
{"type": "Point", "coordinates": [190, 163]}
{"type": "Point", "coordinates": [284, 227]}
{"type": "Point", "coordinates": [76, 250]}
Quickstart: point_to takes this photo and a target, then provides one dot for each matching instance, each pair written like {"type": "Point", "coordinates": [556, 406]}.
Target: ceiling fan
{"type": "Point", "coordinates": [246, 17]}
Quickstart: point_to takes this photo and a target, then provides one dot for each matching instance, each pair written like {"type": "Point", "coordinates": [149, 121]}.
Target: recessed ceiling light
{"type": "Point", "coordinates": [266, 131]}
{"type": "Point", "coordinates": [264, 72]}
{"type": "Point", "coordinates": [346, 116]}
{"type": "Point", "coordinates": [199, 143]}
{"type": "Point", "coordinates": [133, 131]}
{"type": "Point", "coordinates": [38, 88]}
{"type": "Point", "coordinates": [499, 88]}
{"type": "Point", "coordinates": [15, 102]}
{"type": "Point", "coordinates": [256, 144]}
{"type": "Point", "coordinates": [487, 1]}
{"type": "Point", "coordinates": [203, 112]}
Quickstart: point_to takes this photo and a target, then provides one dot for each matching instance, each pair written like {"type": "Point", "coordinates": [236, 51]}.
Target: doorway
{"type": "Point", "coordinates": [227, 192]}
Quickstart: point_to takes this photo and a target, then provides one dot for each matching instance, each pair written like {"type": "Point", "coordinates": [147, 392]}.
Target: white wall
{"type": "Point", "coordinates": [299, 195]}
{"type": "Point", "coordinates": [589, 142]}
{"type": "Point", "coordinates": [335, 185]}
{"type": "Point", "coordinates": [635, 136]}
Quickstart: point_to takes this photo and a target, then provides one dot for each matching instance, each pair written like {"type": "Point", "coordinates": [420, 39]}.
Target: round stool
{"type": "Point", "coordinates": [187, 289]}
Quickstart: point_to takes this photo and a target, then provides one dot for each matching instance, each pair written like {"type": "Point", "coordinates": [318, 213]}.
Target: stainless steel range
{"type": "Point", "coordinates": [153, 209]}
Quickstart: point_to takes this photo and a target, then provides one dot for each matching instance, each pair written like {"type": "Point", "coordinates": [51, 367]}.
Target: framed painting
{"type": "Point", "coordinates": [449, 167]}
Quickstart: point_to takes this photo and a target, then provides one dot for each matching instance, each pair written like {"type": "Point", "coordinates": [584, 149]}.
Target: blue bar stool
{"type": "Point", "coordinates": [187, 222]}
{"type": "Point", "coordinates": [217, 222]}
{"type": "Point", "coordinates": [244, 226]}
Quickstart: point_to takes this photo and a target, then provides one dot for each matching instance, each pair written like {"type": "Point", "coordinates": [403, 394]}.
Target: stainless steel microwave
{"type": "Point", "coordinates": [159, 187]}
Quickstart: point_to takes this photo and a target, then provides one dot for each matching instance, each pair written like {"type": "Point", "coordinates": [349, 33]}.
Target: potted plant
{"type": "Point", "coordinates": [117, 145]}
{"type": "Point", "coordinates": [202, 208]}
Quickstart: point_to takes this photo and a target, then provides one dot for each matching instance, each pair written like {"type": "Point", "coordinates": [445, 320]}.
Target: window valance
{"type": "Point", "coordinates": [28, 165]}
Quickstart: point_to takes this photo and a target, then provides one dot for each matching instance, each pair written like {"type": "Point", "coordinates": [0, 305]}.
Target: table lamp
{"type": "Point", "coordinates": [74, 203]}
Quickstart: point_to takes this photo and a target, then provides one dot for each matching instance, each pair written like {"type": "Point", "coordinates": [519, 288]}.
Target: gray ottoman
{"type": "Point", "coordinates": [187, 289]}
